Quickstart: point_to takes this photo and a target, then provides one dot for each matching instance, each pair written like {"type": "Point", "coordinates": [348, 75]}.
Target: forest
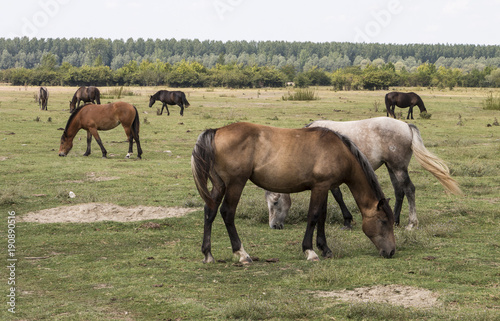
{"type": "Point", "coordinates": [195, 63]}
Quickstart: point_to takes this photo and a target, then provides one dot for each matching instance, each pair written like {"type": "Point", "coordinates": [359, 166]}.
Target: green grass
{"type": "Point", "coordinates": [129, 271]}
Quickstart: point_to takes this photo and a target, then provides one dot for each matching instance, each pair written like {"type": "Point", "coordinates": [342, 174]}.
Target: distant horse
{"type": "Point", "coordinates": [383, 141]}
{"type": "Point", "coordinates": [102, 117]}
{"type": "Point", "coordinates": [403, 100]}
{"type": "Point", "coordinates": [43, 98]}
{"type": "Point", "coordinates": [169, 98]}
{"type": "Point", "coordinates": [86, 94]}
{"type": "Point", "coordinates": [287, 161]}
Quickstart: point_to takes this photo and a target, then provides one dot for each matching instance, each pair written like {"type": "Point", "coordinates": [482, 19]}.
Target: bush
{"type": "Point", "coordinates": [491, 102]}
{"type": "Point", "coordinates": [302, 94]}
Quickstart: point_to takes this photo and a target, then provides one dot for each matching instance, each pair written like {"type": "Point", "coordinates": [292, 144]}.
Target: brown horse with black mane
{"type": "Point", "coordinates": [102, 117]}
{"type": "Point", "coordinates": [403, 100]}
{"type": "Point", "coordinates": [287, 161]}
{"type": "Point", "coordinates": [86, 94]}
{"type": "Point", "coordinates": [169, 98]}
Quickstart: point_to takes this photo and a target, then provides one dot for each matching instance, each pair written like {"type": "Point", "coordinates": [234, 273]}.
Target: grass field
{"type": "Point", "coordinates": [137, 271]}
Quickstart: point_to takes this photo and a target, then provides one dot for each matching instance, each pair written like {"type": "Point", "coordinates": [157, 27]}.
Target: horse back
{"type": "Point", "coordinates": [282, 160]}
{"type": "Point", "coordinates": [381, 139]}
{"type": "Point", "coordinates": [108, 116]}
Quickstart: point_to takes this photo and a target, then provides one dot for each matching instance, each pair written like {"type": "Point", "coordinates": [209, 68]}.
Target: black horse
{"type": "Point", "coordinates": [403, 100]}
{"type": "Point", "coordinates": [86, 94]}
{"type": "Point", "coordinates": [169, 98]}
{"type": "Point", "coordinates": [43, 98]}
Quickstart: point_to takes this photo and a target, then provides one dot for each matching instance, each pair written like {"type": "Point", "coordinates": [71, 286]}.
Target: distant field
{"type": "Point", "coordinates": [152, 270]}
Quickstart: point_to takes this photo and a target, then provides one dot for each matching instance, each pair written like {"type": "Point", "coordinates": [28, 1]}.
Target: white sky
{"type": "Point", "coordinates": [382, 21]}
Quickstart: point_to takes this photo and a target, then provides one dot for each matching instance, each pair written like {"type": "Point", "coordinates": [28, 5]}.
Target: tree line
{"type": "Point", "coordinates": [194, 63]}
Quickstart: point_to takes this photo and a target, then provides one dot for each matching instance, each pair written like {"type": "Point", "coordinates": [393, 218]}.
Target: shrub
{"type": "Point", "coordinates": [491, 102]}
{"type": "Point", "coordinates": [302, 94]}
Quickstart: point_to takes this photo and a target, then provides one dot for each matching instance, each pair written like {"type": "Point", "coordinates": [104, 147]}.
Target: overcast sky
{"type": "Point", "coordinates": [382, 21]}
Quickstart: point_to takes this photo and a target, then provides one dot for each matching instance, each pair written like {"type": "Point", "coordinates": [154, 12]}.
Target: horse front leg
{"type": "Point", "coordinates": [182, 108]}
{"type": "Point", "coordinates": [228, 211]}
{"type": "Point", "coordinates": [166, 107]}
{"type": "Point", "coordinates": [337, 194]}
{"type": "Point", "coordinates": [317, 208]}
{"type": "Point", "coordinates": [321, 235]}
{"type": "Point", "coordinates": [94, 133]}
{"type": "Point", "coordinates": [410, 112]}
{"type": "Point", "coordinates": [89, 142]}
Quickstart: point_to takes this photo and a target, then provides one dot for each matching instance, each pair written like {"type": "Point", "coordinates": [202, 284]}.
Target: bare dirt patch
{"type": "Point", "coordinates": [406, 296]}
{"type": "Point", "coordinates": [95, 212]}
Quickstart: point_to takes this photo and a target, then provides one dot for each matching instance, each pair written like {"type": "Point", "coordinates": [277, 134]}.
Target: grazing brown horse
{"type": "Point", "coordinates": [386, 141]}
{"type": "Point", "coordinates": [102, 117]}
{"type": "Point", "coordinates": [43, 98]}
{"type": "Point", "coordinates": [86, 94]}
{"type": "Point", "coordinates": [403, 100]}
{"type": "Point", "coordinates": [169, 98]}
{"type": "Point", "coordinates": [287, 161]}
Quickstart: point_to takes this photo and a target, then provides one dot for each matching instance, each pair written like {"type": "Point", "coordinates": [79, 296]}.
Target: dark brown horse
{"type": "Point", "coordinates": [169, 98]}
{"type": "Point", "coordinates": [86, 94]}
{"type": "Point", "coordinates": [102, 117]}
{"type": "Point", "coordinates": [287, 161]}
{"type": "Point", "coordinates": [43, 98]}
{"type": "Point", "coordinates": [403, 100]}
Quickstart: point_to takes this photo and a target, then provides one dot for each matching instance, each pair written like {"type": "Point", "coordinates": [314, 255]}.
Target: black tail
{"type": "Point", "coordinates": [184, 100]}
{"type": "Point", "coordinates": [135, 132]}
{"type": "Point", "coordinates": [202, 163]}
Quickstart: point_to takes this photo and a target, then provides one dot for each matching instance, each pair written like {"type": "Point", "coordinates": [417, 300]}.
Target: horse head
{"type": "Point", "coordinates": [152, 100]}
{"type": "Point", "coordinates": [72, 106]}
{"type": "Point", "coordinates": [278, 205]}
{"type": "Point", "coordinates": [66, 145]}
{"type": "Point", "coordinates": [379, 227]}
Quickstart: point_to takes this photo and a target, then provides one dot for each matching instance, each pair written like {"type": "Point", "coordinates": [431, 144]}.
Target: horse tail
{"type": "Point", "coordinates": [184, 100]}
{"type": "Point", "coordinates": [432, 163]}
{"type": "Point", "coordinates": [98, 96]}
{"type": "Point", "coordinates": [202, 164]}
{"type": "Point", "coordinates": [136, 125]}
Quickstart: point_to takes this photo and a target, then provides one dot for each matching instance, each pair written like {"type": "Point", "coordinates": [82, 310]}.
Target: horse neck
{"type": "Point", "coordinates": [421, 106]}
{"type": "Point", "coordinates": [362, 191]}
{"type": "Point", "coordinates": [73, 127]}
{"type": "Point", "coordinates": [74, 99]}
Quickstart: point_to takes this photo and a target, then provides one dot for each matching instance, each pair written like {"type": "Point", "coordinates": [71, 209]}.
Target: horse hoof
{"type": "Point", "coordinates": [208, 259]}
{"type": "Point", "coordinates": [246, 260]}
{"type": "Point", "coordinates": [311, 256]}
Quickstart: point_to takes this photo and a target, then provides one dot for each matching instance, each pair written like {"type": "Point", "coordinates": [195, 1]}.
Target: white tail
{"type": "Point", "coordinates": [435, 165]}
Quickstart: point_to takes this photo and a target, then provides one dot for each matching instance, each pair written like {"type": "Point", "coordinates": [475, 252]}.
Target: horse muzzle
{"type": "Point", "coordinates": [387, 254]}
{"type": "Point", "coordinates": [62, 154]}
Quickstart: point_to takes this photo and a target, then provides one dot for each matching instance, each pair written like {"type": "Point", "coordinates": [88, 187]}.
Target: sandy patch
{"type": "Point", "coordinates": [406, 296]}
{"type": "Point", "coordinates": [95, 212]}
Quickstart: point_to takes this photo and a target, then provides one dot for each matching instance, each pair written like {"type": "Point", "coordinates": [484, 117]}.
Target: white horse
{"type": "Point", "coordinates": [386, 141]}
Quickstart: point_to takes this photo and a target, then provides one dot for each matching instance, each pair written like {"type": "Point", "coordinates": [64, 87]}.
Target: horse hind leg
{"type": "Point", "coordinates": [218, 192]}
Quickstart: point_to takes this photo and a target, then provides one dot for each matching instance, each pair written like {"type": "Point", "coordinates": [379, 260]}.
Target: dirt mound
{"type": "Point", "coordinates": [94, 212]}
{"type": "Point", "coordinates": [406, 296]}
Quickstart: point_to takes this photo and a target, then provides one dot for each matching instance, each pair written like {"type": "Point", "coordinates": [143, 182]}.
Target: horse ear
{"type": "Point", "coordinates": [381, 203]}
